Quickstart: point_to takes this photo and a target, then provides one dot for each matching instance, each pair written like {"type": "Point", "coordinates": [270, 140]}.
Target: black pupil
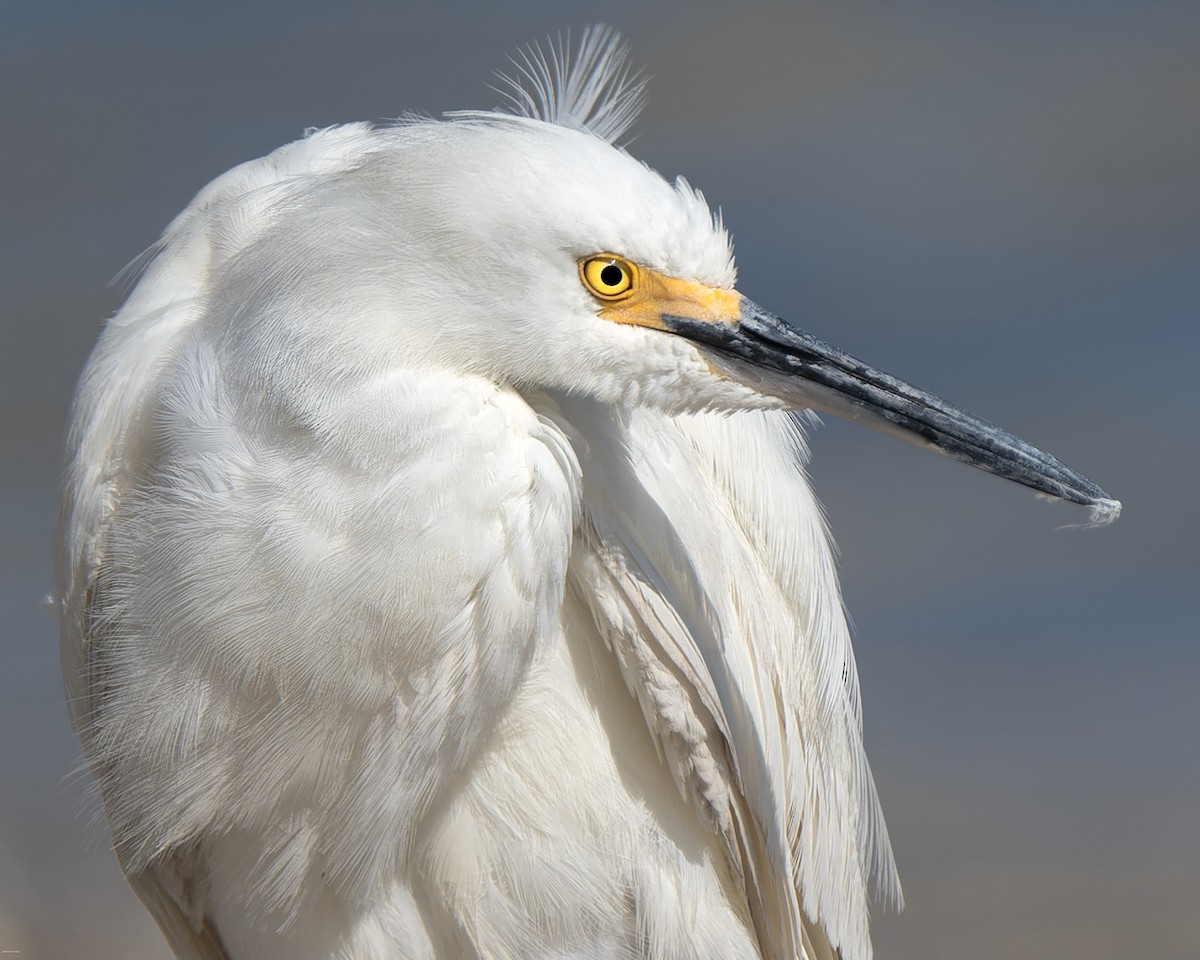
{"type": "Point", "coordinates": [612, 275]}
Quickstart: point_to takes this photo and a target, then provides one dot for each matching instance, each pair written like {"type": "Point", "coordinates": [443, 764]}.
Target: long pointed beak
{"type": "Point", "coordinates": [807, 372]}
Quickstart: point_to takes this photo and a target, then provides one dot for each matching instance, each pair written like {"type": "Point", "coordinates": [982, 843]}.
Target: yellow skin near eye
{"type": "Point", "coordinates": [608, 277]}
{"type": "Point", "coordinates": [641, 296]}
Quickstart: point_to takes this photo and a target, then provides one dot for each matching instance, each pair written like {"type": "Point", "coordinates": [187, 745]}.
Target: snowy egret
{"type": "Point", "coordinates": [438, 573]}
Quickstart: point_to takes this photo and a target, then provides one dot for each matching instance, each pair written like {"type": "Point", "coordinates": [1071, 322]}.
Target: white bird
{"type": "Point", "coordinates": [439, 577]}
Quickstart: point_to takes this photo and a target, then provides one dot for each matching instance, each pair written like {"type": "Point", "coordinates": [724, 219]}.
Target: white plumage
{"type": "Point", "coordinates": [413, 608]}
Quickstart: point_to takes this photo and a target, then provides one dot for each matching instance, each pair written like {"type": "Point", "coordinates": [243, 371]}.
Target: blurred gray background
{"type": "Point", "coordinates": [997, 201]}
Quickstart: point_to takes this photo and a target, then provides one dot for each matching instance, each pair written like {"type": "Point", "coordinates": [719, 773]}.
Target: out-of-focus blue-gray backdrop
{"type": "Point", "coordinates": [997, 201]}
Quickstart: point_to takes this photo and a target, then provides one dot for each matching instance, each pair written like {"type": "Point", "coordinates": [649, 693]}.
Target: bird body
{"type": "Point", "coordinates": [412, 608]}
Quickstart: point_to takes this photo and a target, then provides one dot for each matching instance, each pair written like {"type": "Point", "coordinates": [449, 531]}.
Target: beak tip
{"type": "Point", "coordinates": [1104, 511]}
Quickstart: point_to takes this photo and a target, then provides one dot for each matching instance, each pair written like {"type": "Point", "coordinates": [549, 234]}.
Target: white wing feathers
{"type": "Point", "coordinates": [739, 657]}
{"type": "Point", "coordinates": [687, 723]}
{"type": "Point", "coordinates": [111, 420]}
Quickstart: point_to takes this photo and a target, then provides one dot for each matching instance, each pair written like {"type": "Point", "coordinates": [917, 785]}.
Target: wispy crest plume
{"type": "Point", "coordinates": [593, 86]}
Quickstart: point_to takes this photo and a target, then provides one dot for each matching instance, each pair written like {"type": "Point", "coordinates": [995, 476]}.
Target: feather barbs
{"type": "Point", "coordinates": [593, 86]}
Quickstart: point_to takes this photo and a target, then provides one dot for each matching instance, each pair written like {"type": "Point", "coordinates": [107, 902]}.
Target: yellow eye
{"type": "Point", "coordinates": [608, 276]}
